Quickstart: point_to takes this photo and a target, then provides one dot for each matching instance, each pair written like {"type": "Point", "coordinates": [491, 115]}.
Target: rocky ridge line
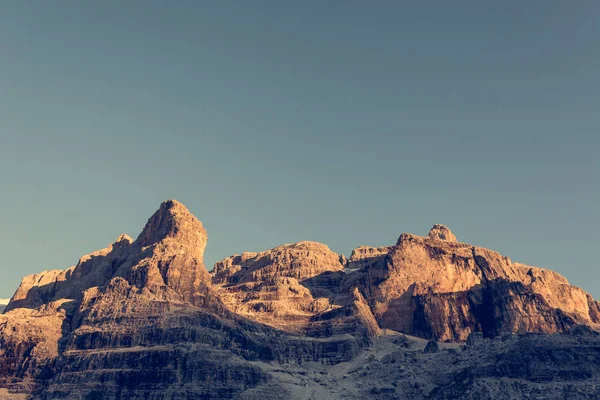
{"type": "Point", "coordinates": [144, 316]}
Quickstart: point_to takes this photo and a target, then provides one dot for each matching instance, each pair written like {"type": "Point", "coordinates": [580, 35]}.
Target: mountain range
{"type": "Point", "coordinates": [428, 317]}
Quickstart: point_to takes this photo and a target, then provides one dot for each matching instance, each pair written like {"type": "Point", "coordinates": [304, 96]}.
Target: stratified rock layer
{"type": "Point", "coordinates": [294, 287]}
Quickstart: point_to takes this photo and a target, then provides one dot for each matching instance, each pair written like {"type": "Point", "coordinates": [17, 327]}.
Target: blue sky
{"type": "Point", "coordinates": [346, 123]}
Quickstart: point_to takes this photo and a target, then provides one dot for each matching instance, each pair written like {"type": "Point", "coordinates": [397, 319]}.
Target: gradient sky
{"type": "Point", "coordinates": [345, 122]}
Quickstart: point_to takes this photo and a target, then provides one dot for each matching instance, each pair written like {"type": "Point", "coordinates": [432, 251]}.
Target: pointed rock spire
{"type": "Point", "coordinates": [172, 220]}
{"type": "Point", "coordinates": [441, 232]}
{"type": "Point", "coordinates": [172, 253]}
{"type": "Point", "coordinates": [122, 242]}
{"type": "Point", "coordinates": [123, 238]}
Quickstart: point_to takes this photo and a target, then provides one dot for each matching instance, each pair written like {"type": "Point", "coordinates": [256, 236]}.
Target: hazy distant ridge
{"type": "Point", "coordinates": [3, 303]}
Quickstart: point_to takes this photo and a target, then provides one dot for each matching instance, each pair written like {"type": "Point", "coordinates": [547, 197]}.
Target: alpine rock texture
{"type": "Point", "coordinates": [427, 318]}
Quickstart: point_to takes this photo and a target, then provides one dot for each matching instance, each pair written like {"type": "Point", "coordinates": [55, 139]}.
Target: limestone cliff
{"type": "Point", "coordinates": [437, 287]}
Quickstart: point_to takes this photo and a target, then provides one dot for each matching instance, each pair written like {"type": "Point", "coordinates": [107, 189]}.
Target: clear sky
{"type": "Point", "coordinates": [344, 122]}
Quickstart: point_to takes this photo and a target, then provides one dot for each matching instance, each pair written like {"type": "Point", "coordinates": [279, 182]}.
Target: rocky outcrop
{"type": "Point", "coordinates": [94, 269]}
{"type": "Point", "coordinates": [439, 288]}
{"type": "Point", "coordinates": [295, 288]}
{"type": "Point", "coordinates": [441, 232]}
{"type": "Point", "coordinates": [166, 258]}
{"type": "Point", "coordinates": [434, 287]}
{"type": "Point", "coordinates": [169, 254]}
{"type": "Point", "coordinates": [301, 261]}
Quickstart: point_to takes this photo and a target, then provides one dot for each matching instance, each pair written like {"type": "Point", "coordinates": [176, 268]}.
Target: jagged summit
{"type": "Point", "coordinates": [166, 258]}
{"type": "Point", "coordinates": [300, 260]}
{"type": "Point", "coordinates": [123, 241]}
{"type": "Point", "coordinates": [172, 219]}
{"type": "Point", "coordinates": [441, 232]}
{"type": "Point", "coordinates": [170, 253]}
{"type": "Point", "coordinates": [438, 233]}
{"type": "Point", "coordinates": [124, 238]}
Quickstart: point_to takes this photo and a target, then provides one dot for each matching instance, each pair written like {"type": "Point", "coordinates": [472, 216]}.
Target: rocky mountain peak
{"type": "Point", "coordinates": [124, 238]}
{"type": "Point", "coordinates": [169, 253]}
{"type": "Point", "coordinates": [173, 220]}
{"type": "Point", "coordinates": [441, 232]}
{"type": "Point", "coordinates": [122, 242]}
{"type": "Point", "coordinates": [300, 260]}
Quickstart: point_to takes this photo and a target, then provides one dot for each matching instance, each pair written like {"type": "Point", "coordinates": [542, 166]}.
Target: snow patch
{"type": "Point", "coordinates": [350, 270]}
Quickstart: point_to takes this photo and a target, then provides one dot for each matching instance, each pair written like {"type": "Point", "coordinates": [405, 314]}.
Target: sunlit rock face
{"type": "Point", "coordinates": [439, 288]}
{"type": "Point", "coordinates": [433, 286]}
{"type": "Point", "coordinates": [293, 287]}
{"type": "Point", "coordinates": [441, 232]}
{"type": "Point", "coordinates": [168, 256]}
{"type": "Point", "coordinates": [144, 318]}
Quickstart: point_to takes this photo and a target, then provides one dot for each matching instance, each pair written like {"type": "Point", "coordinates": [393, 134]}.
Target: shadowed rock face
{"type": "Point", "coordinates": [144, 318]}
